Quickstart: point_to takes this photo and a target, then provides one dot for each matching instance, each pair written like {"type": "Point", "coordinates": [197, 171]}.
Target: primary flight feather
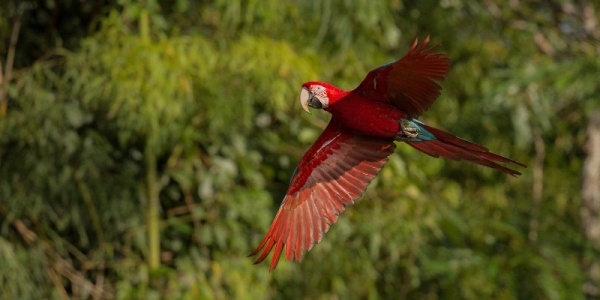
{"type": "Point", "coordinates": [356, 144]}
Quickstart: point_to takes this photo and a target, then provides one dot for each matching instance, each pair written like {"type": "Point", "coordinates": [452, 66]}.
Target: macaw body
{"type": "Point", "coordinates": [360, 115]}
{"type": "Point", "coordinates": [357, 142]}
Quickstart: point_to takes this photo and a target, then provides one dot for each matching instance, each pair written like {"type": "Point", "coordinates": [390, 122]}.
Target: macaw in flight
{"type": "Point", "coordinates": [356, 144]}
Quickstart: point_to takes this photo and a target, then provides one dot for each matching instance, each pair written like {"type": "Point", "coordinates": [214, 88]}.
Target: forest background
{"type": "Point", "coordinates": [146, 145]}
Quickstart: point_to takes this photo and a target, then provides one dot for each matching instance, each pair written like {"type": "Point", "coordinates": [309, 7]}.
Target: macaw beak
{"type": "Point", "coordinates": [305, 96]}
{"type": "Point", "coordinates": [308, 99]}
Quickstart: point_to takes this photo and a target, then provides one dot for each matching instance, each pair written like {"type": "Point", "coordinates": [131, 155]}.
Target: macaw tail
{"type": "Point", "coordinates": [436, 142]}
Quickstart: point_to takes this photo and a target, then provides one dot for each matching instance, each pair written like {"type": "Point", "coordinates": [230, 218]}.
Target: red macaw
{"type": "Point", "coordinates": [357, 142]}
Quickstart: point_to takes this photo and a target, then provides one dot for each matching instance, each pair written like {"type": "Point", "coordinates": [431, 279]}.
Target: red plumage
{"type": "Point", "coordinates": [409, 84]}
{"type": "Point", "coordinates": [356, 144]}
{"type": "Point", "coordinates": [455, 148]}
{"type": "Point", "coordinates": [332, 174]}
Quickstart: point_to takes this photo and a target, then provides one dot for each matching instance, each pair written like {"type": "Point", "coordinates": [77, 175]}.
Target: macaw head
{"type": "Point", "coordinates": [319, 95]}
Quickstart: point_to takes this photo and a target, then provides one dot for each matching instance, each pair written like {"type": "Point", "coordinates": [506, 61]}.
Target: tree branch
{"type": "Point", "coordinates": [10, 59]}
{"type": "Point", "coordinates": [590, 196]}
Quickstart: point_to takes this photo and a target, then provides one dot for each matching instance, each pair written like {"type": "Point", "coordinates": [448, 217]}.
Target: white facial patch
{"type": "Point", "coordinates": [321, 94]}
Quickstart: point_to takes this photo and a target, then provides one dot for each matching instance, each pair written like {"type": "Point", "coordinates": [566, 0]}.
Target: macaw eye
{"type": "Point", "coordinates": [321, 94]}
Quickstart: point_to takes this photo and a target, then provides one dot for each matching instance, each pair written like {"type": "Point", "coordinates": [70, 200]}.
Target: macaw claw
{"type": "Point", "coordinates": [408, 132]}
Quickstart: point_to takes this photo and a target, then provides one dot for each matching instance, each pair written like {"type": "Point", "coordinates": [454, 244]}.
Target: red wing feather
{"type": "Point", "coordinates": [332, 174]}
{"type": "Point", "coordinates": [411, 83]}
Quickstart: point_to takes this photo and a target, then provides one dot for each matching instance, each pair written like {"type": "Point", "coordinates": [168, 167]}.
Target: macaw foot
{"type": "Point", "coordinates": [407, 131]}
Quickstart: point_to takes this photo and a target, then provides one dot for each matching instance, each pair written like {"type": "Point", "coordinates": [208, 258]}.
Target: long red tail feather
{"type": "Point", "coordinates": [455, 148]}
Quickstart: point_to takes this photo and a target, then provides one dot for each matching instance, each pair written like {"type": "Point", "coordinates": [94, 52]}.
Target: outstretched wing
{"type": "Point", "coordinates": [411, 83]}
{"type": "Point", "coordinates": [332, 174]}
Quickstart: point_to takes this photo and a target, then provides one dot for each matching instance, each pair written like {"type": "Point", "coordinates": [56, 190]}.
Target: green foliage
{"type": "Point", "coordinates": [205, 95]}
